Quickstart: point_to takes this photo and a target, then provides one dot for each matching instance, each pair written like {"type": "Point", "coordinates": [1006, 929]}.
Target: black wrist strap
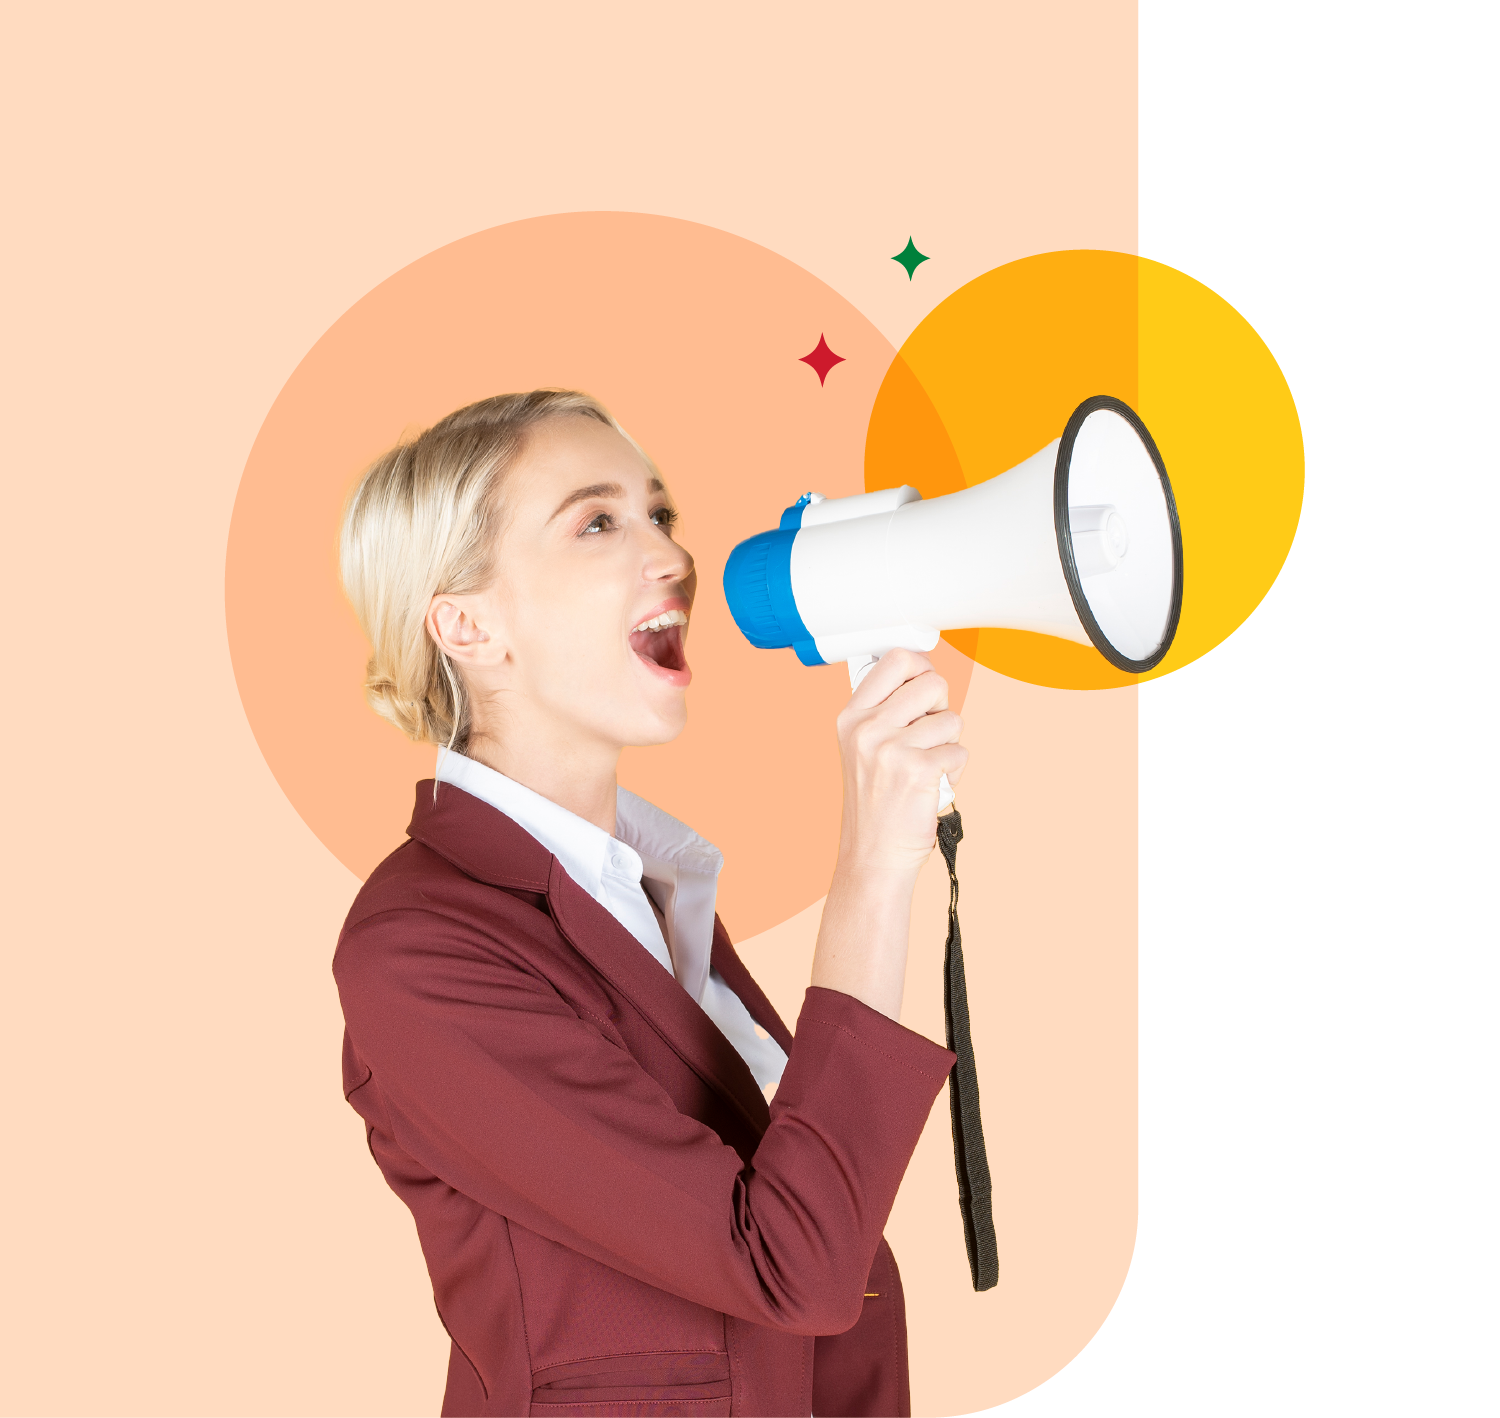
{"type": "Point", "coordinates": [963, 1084]}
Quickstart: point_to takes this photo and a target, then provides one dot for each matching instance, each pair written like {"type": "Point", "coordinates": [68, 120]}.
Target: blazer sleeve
{"type": "Point", "coordinates": [492, 1082]}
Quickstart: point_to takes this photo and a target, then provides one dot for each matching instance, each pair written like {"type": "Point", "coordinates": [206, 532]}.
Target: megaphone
{"type": "Point", "coordinates": [1079, 541]}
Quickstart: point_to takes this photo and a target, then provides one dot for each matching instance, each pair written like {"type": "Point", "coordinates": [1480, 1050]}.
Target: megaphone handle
{"type": "Point", "coordinates": [859, 667]}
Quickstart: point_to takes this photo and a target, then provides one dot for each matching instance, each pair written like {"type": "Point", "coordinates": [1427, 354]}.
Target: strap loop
{"type": "Point", "coordinates": [970, 1161]}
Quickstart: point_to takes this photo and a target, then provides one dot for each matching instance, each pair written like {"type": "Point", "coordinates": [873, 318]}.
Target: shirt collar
{"type": "Point", "coordinates": [659, 836]}
{"type": "Point", "coordinates": [686, 868]}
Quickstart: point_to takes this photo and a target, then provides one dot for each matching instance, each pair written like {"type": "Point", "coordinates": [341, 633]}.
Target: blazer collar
{"type": "Point", "coordinates": [484, 843]}
{"type": "Point", "coordinates": [478, 839]}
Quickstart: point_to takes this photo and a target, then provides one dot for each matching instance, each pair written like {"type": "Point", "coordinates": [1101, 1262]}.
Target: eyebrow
{"type": "Point", "coordinates": [583, 494]}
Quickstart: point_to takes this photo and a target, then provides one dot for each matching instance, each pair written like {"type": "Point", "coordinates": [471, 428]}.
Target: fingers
{"type": "Point", "coordinates": [950, 758]}
{"type": "Point", "coordinates": [900, 688]}
{"type": "Point", "coordinates": [946, 758]}
{"type": "Point", "coordinates": [900, 714]}
{"type": "Point", "coordinates": [932, 730]}
{"type": "Point", "coordinates": [897, 738]}
{"type": "Point", "coordinates": [903, 720]}
{"type": "Point", "coordinates": [926, 694]}
{"type": "Point", "coordinates": [890, 671]}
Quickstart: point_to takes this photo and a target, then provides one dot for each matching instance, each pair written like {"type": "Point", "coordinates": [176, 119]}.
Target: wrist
{"type": "Point", "coordinates": [870, 875]}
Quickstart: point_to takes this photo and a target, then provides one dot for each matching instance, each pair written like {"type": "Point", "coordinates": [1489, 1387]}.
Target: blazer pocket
{"type": "Point", "coordinates": [590, 1407]}
{"type": "Point", "coordinates": [356, 1071]}
{"type": "Point", "coordinates": [662, 1385]}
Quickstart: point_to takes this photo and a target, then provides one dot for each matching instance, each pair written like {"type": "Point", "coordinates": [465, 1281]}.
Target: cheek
{"type": "Point", "coordinates": [573, 635]}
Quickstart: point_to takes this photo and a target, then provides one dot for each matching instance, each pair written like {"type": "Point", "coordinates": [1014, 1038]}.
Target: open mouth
{"type": "Point", "coordinates": [658, 642]}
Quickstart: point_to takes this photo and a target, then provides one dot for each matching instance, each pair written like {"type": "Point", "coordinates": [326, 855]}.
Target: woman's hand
{"type": "Point", "coordinates": [897, 737]}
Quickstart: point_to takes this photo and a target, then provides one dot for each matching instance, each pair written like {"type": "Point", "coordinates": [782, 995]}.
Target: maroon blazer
{"type": "Point", "coordinates": [613, 1219]}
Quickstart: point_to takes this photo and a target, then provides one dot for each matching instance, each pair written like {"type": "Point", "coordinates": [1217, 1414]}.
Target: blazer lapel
{"type": "Point", "coordinates": [676, 1016]}
{"type": "Point", "coordinates": [487, 845]}
{"type": "Point", "coordinates": [729, 965]}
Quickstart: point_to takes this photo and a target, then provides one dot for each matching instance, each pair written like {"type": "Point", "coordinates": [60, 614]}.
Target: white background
{"type": "Point", "coordinates": [1318, 1061]}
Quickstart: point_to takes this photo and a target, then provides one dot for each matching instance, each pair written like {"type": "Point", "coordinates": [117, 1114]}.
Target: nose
{"type": "Point", "coordinates": [665, 559]}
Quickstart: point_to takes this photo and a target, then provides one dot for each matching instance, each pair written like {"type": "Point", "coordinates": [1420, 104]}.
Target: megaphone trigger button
{"type": "Point", "coordinates": [791, 519]}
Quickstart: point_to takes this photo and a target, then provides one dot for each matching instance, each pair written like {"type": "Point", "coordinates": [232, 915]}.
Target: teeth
{"type": "Point", "coordinates": [662, 621]}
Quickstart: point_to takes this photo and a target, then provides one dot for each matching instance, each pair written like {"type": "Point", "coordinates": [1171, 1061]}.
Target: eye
{"type": "Point", "coordinates": [665, 517]}
{"type": "Point", "coordinates": [602, 523]}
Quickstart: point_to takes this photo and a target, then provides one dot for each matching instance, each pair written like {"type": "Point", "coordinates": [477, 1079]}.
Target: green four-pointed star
{"type": "Point", "coordinates": [910, 257]}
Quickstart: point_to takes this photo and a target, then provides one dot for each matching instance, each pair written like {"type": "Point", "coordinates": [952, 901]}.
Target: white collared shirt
{"type": "Point", "coordinates": [648, 845]}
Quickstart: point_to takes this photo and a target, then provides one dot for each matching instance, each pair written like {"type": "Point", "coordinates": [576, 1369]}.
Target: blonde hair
{"type": "Point", "coordinates": [423, 522]}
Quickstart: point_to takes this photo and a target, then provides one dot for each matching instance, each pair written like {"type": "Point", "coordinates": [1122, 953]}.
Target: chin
{"type": "Point", "coordinates": [660, 692]}
{"type": "Point", "coordinates": [658, 728]}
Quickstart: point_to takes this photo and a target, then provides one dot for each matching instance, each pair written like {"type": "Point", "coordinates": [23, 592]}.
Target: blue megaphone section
{"type": "Point", "coordinates": [758, 587]}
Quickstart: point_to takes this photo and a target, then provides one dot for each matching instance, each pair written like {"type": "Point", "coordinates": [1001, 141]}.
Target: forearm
{"type": "Point", "coordinates": [864, 935]}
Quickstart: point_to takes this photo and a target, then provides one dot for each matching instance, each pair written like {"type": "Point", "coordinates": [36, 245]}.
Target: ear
{"type": "Point", "coordinates": [453, 624]}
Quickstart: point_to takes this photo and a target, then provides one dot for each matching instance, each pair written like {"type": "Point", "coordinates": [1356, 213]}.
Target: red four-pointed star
{"type": "Point", "coordinates": [822, 359]}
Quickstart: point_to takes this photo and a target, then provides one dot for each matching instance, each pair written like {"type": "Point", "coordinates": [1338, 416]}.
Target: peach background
{"type": "Point", "coordinates": [193, 1224]}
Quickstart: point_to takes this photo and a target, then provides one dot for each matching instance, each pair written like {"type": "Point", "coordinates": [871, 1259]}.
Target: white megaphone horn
{"type": "Point", "coordinates": [1080, 541]}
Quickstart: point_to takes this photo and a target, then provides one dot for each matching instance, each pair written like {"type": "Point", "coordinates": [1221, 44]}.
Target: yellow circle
{"type": "Point", "coordinates": [992, 374]}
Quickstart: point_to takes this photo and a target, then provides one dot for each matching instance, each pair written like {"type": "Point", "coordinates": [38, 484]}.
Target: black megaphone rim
{"type": "Point", "coordinates": [1064, 530]}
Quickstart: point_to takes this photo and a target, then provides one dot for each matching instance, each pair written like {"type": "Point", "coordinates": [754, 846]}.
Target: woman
{"type": "Point", "coordinates": [561, 1061]}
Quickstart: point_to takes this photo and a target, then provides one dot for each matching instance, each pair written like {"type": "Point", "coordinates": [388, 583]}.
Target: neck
{"type": "Point", "coordinates": [577, 775]}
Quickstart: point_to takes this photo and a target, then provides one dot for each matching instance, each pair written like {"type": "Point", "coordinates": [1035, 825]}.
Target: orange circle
{"type": "Point", "coordinates": [993, 373]}
{"type": "Point", "coordinates": [692, 337]}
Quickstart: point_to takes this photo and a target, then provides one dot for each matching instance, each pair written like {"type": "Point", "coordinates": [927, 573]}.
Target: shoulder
{"type": "Point", "coordinates": [417, 905]}
{"type": "Point", "coordinates": [416, 876]}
